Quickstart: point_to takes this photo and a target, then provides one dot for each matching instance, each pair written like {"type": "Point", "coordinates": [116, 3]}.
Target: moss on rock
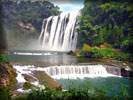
{"type": "Point", "coordinates": [27, 85]}
{"type": "Point", "coordinates": [48, 81]}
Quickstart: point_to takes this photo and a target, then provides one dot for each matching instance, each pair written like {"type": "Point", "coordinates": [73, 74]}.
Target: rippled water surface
{"type": "Point", "coordinates": [59, 64]}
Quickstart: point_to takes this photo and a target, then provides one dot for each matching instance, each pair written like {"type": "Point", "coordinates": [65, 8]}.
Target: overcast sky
{"type": "Point", "coordinates": [68, 5]}
{"type": "Point", "coordinates": [65, 5]}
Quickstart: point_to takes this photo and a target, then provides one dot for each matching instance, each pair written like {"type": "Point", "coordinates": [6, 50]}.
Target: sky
{"type": "Point", "coordinates": [68, 5]}
{"type": "Point", "coordinates": [65, 5]}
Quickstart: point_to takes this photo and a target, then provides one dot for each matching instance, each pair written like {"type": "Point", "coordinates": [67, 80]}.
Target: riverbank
{"type": "Point", "coordinates": [7, 72]}
{"type": "Point", "coordinates": [7, 78]}
{"type": "Point", "coordinates": [104, 51]}
{"type": "Point", "coordinates": [62, 61]}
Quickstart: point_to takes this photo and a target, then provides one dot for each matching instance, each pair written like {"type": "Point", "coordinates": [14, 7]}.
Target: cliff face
{"type": "Point", "coordinates": [7, 75]}
{"type": "Point", "coordinates": [23, 21]}
{"type": "Point", "coordinates": [20, 36]}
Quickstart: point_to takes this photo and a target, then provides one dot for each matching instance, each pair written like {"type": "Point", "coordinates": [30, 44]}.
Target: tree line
{"type": "Point", "coordinates": [107, 21]}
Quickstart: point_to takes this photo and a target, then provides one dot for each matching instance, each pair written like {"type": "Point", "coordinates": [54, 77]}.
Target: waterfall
{"type": "Point", "coordinates": [74, 72]}
{"type": "Point", "coordinates": [59, 32]}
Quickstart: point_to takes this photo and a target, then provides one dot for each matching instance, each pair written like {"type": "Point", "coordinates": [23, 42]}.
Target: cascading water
{"type": "Point", "coordinates": [73, 72]}
{"type": "Point", "coordinates": [59, 32]}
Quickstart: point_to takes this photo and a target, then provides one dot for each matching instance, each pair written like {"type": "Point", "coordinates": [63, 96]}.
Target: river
{"type": "Point", "coordinates": [67, 69]}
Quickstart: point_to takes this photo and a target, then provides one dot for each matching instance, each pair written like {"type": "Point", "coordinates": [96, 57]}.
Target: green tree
{"type": "Point", "coordinates": [114, 17]}
{"type": "Point", "coordinates": [101, 39]}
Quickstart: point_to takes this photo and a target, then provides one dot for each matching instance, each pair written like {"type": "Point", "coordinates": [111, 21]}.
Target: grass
{"type": "Point", "coordinates": [73, 93]}
{"type": "Point", "coordinates": [5, 93]}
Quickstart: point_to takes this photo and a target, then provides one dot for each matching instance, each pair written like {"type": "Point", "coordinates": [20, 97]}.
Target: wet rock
{"type": "Point", "coordinates": [47, 80]}
{"type": "Point", "coordinates": [58, 87]}
{"type": "Point", "coordinates": [7, 75]}
{"type": "Point", "coordinates": [29, 78]}
{"type": "Point", "coordinates": [71, 53]}
{"type": "Point", "coordinates": [126, 73]}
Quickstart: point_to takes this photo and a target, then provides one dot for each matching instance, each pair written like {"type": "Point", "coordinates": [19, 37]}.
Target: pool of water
{"type": "Point", "coordinates": [45, 59]}
{"type": "Point", "coordinates": [112, 85]}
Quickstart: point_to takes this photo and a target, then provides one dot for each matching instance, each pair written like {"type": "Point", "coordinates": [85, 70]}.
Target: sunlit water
{"type": "Point", "coordinates": [65, 68]}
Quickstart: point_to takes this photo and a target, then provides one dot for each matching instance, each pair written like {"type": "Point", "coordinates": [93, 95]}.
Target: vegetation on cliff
{"type": "Point", "coordinates": [7, 73]}
{"type": "Point", "coordinates": [107, 21]}
{"type": "Point", "coordinates": [7, 78]}
{"type": "Point", "coordinates": [28, 12]}
{"type": "Point", "coordinates": [23, 21]}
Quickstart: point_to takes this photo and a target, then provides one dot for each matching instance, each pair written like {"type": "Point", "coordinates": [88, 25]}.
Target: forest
{"type": "Point", "coordinates": [107, 22]}
{"type": "Point", "coordinates": [105, 31]}
{"type": "Point", "coordinates": [23, 21]}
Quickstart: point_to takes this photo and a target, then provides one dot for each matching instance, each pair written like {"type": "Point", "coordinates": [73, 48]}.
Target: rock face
{"type": "Point", "coordinates": [27, 26]}
{"type": "Point", "coordinates": [71, 53]}
{"type": "Point", "coordinates": [7, 75]}
{"type": "Point", "coordinates": [126, 73]}
{"type": "Point", "coordinates": [48, 81]}
{"type": "Point", "coordinates": [20, 36]}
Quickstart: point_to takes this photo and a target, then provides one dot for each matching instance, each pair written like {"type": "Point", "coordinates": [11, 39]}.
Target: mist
{"type": "Point", "coordinates": [2, 32]}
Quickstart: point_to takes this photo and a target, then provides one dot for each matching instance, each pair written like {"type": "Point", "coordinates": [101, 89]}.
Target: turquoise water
{"type": "Point", "coordinates": [45, 58]}
{"type": "Point", "coordinates": [114, 86]}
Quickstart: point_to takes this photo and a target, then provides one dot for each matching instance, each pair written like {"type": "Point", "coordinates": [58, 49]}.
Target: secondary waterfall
{"type": "Point", "coordinates": [74, 71]}
{"type": "Point", "coordinates": [59, 32]}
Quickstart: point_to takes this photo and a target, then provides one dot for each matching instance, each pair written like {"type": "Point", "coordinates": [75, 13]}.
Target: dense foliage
{"type": "Point", "coordinates": [28, 12]}
{"type": "Point", "coordinates": [107, 21]}
{"type": "Point", "coordinates": [103, 52]}
{"type": "Point", "coordinates": [74, 93]}
{"type": "Point", "coordinates": [3, 59]}
{"type": "Point", "coordinates": [5, 93]}
{"type": "Point", "coordinates": [23, 21]}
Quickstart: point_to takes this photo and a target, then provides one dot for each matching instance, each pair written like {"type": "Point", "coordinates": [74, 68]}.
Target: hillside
{"type": "Point", "coordinates": [106, 29]}
{"type": "Point", "coordinates": [109, 22]}
{"type": "Point", "coordinates": [23, 21]}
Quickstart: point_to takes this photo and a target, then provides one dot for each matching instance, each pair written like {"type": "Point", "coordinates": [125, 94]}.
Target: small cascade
{"type": "Point", "coordinates": [29, 53]}
{"type": "Point", "coordinates": [64, 72]}
{"type": "Point", "coordinates": [59, 32]}
{"type": "Point", "coordinates": [24, 70]}
{"type": "Point", "coordinates": [74, 72]}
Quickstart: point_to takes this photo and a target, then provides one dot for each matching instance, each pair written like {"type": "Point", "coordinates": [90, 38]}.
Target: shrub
{"type": "Point", "coordinates": [3, 59]}
{"type": "Point", "coordinates": [123, 56]}
{"type": "Point", "coordinates": [102, 52]}
{"type": "Point", "coordinates": [96, 52]}
{"type": "Point", "coordinates": [75, 93]}
{"type": "Point", "coordinates": [27, 85]}
{"type": "Point", "coordinates": [72, 94]}
{"type": "Point", "coordinates": [5, 93]}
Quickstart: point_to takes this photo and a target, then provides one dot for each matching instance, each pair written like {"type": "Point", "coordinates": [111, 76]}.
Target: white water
{"type": "Point", "coordinates": [20, 70]}
{"type": "Point", "coordinates": [74, 72]}
{"type": "Point", "coordinates": [59, 32]}
{"type": "Point", "coordinates": [65, 72]}
{"type": "Point", "coordinates": [28, 53]}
